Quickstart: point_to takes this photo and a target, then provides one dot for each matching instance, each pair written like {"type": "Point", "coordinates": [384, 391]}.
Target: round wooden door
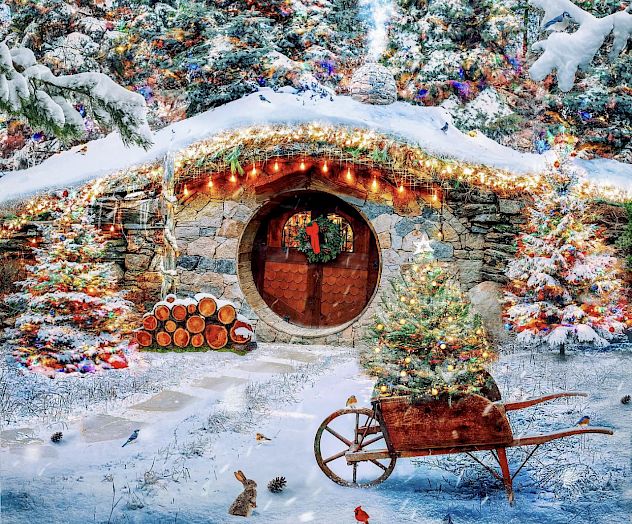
{"type": "Point", "coordinates": [321, 294]}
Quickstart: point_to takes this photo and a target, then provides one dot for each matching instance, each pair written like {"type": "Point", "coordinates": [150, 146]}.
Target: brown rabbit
{"type": "Point", "coordinates": [247, 499]}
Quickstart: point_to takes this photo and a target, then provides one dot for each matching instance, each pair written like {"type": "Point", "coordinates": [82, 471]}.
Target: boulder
{"type": "Point", "coordinates": [373, 84]}
{"type": "Point", "coordinates": [486, 302]}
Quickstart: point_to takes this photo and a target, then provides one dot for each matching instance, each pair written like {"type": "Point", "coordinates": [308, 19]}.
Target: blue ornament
{"type": "Point", "coordinates": [585, 115]}
{"type": "Point", "coordinates": [422, 93]}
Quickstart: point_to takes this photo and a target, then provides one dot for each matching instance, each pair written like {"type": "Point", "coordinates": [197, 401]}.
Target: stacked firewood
{"type": "Point", "coordinates": [195, 322]}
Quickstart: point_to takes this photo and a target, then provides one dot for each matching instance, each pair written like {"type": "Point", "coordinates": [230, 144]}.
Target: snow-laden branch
{"type": "Point", "coordinates": [567, 52]}
{"type": "Point", "coordinates": [30, 90]}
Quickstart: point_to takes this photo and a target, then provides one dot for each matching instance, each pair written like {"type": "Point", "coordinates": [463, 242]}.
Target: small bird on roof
{"type": "Point", "coordinates": [584, 421]}
{"type": "Point", "coordinates": [445, 127]}
{"type": "Point", "coordinates": [626, 399]}
{"type": "Point", "coordinates": [261, 437]}
{"type": "Point", "coordinates": [132, 437]}
{"type": "Point", "coordinates": [264, 99]}
{"type": "Point", "coordinates": [361, 515]}
{"type": "Point", "coordinates": [352, 401]}
{"type": "Point", "coordinates": [560, 18]}
{"type": "Point", "coordinates": [83, 149]}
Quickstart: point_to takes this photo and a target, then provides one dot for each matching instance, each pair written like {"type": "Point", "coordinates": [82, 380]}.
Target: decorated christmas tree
{"type": "Point", "coordinates": [75, 319]}
{"type": "Point", "coordinates": [565, 286]}
{"type": "Point", "coordinates": [427, 340]}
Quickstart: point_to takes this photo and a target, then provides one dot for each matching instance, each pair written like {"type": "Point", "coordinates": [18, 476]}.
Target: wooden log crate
{"type": "Point", "coordinates": [198, 322]}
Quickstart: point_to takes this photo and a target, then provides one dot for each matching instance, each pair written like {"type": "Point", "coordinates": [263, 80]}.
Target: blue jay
{"type": "Point", "coordinates": [131, 438]}
{"type": "Point", "coordinates": [445, 128]}
{"type": "Point", "coordinates": [565, 16]}
{"type": "Point", "coordinates": [584, 421]}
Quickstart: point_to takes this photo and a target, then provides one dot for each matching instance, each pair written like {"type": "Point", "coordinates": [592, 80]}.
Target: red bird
{"type": "Point", "coordinates": [361, 515]}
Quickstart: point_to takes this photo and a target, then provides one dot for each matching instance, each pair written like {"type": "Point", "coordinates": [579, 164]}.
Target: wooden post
{"type": "Point", "coordinates": [170, 245]}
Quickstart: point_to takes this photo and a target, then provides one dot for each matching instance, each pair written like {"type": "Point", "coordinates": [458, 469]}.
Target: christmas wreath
{"type": "Point", "coordinates": [320, 240]}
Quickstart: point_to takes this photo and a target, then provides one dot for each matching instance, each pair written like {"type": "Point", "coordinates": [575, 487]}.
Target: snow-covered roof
{"type": "Point", "coordinates": [417, 125]}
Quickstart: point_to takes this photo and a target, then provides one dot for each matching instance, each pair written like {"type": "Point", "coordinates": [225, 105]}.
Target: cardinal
{"type": "Point", "coordinates": [312, 232]}
{"type": "Point", "coordinates": [361, 515]}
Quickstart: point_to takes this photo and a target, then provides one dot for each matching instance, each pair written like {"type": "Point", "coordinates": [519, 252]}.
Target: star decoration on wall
{"type": "Point", "coordinates": [423, 245]}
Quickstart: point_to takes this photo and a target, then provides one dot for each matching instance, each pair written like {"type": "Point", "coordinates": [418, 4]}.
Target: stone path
{"type": "Point", "coordinates": [103, 427]}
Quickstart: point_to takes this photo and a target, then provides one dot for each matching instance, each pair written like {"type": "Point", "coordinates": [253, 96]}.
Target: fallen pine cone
{"type": "Point", "coordinates": [625, 400]}
{"type": "Point", "coordinates": [276, 485]}
{"type": "Point", "coordinates": [57, 436]}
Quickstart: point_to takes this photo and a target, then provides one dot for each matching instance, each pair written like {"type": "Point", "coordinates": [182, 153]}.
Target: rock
{"type": "Point", "coordinates": [383, 223]}
{"type": "Point", "coordinates": [384, 240]}
{"type": "Point", "coordinates": [137, 262]}
{"type": "Point", "coordinates": [487, 218]}
{"type": "Point", "coordinates": [404, 226]}
{"type": "Point", "coordinates": [223, 266]}
{"type": "Point", "coordinates": [510, 207]}
{"type": "Point", "coordinates": [227, 249]}
{"type": "Point", "coordinates": [470, 210]}
{"type": "Point", "coordinates": [187, 232]}
{"type": "Point", "coordinates": [208, 231]}
{"type": "Point", "coordinates": [441, 250]}
{"type": "Point", "coordinates": [203, 247]}
{"type": "Point", "coordinates": [372, 210]}
{"type": "Point", "coordinates": [373, 84]}
{"type": "Point", "coordinates": [486, 301]}
{"type": "Point", "coordinates": [450, 234]}
{"type": "Point", "coordinates": [188, 262]}
{"type": "Point", "coordinates": [470, 270]}
{"type": "Point", "coordinates": [474, 241]}
{"type": "Point", "coordinates": [230, 228]}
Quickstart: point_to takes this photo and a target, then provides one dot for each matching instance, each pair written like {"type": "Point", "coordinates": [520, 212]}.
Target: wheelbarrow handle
{"type": "Point", "coordinates": [521, 404]}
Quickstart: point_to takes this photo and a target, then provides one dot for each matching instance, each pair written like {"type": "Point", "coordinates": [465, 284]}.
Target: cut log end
{"type": "Point", "coordinates": [207, 307]}
{"type": "Point", "coordinates": [196, 324]}
{"type": "Point", "coordinates": [161, 312]}
{"type": "Point", "coordinates": [170, 326]}
{"type": "Point", "coordinates": [150, 322]}
{"type": "Point", "coordinates": [179, 312]}
{"type": "Point", "coordinates": [197, 340]}
{"type": "Point", "coordinates": [181, 337]}
{"type": "Point", "coordinates": [239, 338]}
{"type": "Point", "coordinates": [163, 338]}
{"type": "Point", "coordinates": [144, 338]}
{"type": "Point", "coordinates": [226, 314]}
{"type": "Point", "coordinates": [216, 336]}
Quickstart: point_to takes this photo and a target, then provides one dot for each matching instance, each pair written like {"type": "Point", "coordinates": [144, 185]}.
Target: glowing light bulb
{"type": "Point", "coordinates": [325, 167]}
{"type": "Point", "coordinates": [210, 182]}
{"type": "Point", "coordinates": [402, 321]}
{"type": "Point", "coordinates": [450, 367]}
{"type": "Point", "coordinates": [276, 165]}
{"type": "Point", "coordinates": [302, 166]}
{"type": "Point", "coordinates": [186, 191]}
{"type": "Point", "coordinates": [233, 178]}
{"type": "Point", "coordinates": [403, 373]}
{"type": "Point", "coordinates": [383, 389]}
{"type": "Point", "coordinates": [374, 185]}
{"type": "Point", "coordinates": [254, 170]}
{"type": "Point", "coordinates": [434, 391]}
{"type": "Point", "coordinates": [407, 360]}
{"type": "Point", "coordinates": [379, 327]}
{"type": "Point", "coordinates": [112, 227]}
{"type": "Point", "coordinates": [349, 175]}
{"type": "Point", "coordinates": [443, 346]}
{"type": "Point", "coordinates": [435, 197]}
{"type": "Point", "coordinates": [401, 188]}
{"type": "Point", "coordinates": [485, 354]}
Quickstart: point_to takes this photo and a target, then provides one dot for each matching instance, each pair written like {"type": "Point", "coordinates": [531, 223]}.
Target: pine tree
{"type": "Point", "coordinates": [75, 318]}
{"type": "Point", "coordinates": [565, 286]}
{"type": "Point", "coordinates": [426, 339]}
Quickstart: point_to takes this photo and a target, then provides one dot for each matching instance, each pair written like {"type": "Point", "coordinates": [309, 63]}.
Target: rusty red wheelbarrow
{"type": "Point", "coordinates": [365, 443]}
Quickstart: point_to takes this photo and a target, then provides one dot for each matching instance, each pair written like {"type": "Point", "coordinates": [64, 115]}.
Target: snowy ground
{"type": "Point", "coordinates": [199, 412]}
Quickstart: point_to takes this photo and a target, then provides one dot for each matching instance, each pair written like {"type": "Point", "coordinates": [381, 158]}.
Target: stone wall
{"type": "Point", "coordinates": [473, 229]}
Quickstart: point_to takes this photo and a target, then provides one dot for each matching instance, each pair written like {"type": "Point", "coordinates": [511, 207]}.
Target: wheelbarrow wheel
{"type": "Point", "coordinates": [346, 431]}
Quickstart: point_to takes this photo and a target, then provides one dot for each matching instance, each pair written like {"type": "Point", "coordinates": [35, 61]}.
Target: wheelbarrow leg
{"type": "Point", "coordinates": [504, 467]}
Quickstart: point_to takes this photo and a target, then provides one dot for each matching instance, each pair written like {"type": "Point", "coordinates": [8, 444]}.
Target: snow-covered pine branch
{"type": "Point", "coordinates": [567, 52]}
{"type": "Point", "coordinates": [30, 90]}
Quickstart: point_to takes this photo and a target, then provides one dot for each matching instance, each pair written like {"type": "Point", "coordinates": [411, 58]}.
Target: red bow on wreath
{"type": "Point", "coordinates": [312, 231]}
